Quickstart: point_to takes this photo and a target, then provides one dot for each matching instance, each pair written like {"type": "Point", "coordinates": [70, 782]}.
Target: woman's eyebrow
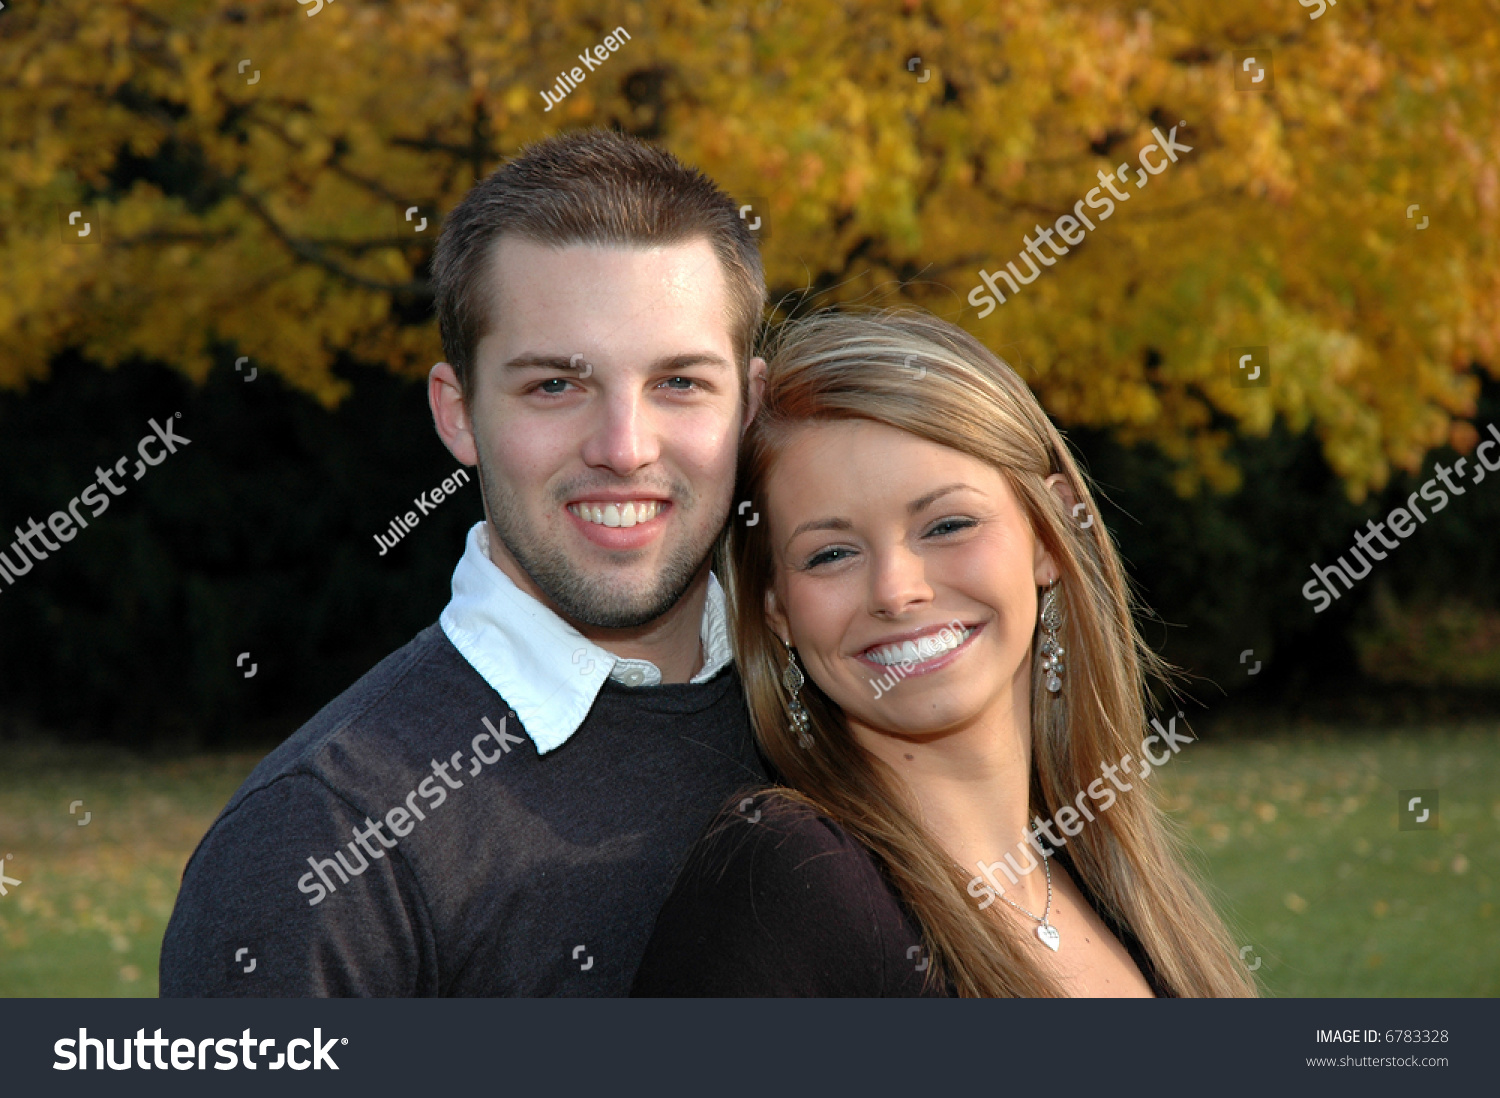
{"type": "Point", "coordinates": [931, 497]}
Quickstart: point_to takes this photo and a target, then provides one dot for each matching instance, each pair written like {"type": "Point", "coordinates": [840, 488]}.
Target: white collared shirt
{"type": "Point", "coordinates": [546, 670]}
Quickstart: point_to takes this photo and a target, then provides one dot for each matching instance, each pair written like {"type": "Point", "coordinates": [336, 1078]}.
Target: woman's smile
{"type": "Point", "coordinates": [921, 652]}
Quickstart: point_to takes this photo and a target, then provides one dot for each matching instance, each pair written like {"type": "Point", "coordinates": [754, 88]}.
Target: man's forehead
{"type": "Point", "coordinates": [680, 268]}
{"type": "Point", "coordinates": [677, 284]}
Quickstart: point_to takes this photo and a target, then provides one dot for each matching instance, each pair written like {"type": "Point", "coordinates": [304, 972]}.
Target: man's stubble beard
{"type": "Point", "coordinates": [586, 599]}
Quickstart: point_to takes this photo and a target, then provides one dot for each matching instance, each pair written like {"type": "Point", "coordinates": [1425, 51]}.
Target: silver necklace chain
{"type": "Point", "coordinates": [1045, 930]}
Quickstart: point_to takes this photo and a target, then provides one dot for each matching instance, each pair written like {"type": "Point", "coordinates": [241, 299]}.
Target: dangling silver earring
{"type": "Point", "coordinates": [1051, 650]}
{"type": "Point", "coordinates": [793, 679]}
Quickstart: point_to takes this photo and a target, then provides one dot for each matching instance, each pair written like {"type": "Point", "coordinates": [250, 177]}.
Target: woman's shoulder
{"type": "Point", "coordinates": [776, 826]}
{"type": "Point", "coordinates": [777, 899]}
{"type": "Point", "coordinates": [776, 849]}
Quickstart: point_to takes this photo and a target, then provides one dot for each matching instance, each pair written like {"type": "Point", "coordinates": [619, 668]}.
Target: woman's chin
{"type": "Point", "coordinates": [917, 716]}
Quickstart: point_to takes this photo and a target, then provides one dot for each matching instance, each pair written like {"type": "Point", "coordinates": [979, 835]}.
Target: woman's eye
{"type": "Point", "coordinates": [686, 382]}
{"type": "Point", "coordinates": [827, 556]}
{"type": "Point", "coordinates": [949, 526]}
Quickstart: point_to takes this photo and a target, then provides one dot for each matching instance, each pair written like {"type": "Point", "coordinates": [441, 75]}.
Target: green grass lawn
{"type": "Point", "coordinates": [1297, 835]}
{"type": "Point", "coordinates": [94, 899]}
{"type": "Point", "coordinates": [1299, 840]}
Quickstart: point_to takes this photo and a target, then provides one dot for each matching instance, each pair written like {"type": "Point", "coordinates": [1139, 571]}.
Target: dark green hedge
{"type": "Point", "coordinates": [258, 537]}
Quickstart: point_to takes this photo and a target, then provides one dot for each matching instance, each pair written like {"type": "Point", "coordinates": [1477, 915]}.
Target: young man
{"type": "Point", "coordinates": [500, 807]}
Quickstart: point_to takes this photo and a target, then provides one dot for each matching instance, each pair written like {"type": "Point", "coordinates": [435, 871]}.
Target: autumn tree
{"type": "Point", "coordinates": [247, 173]}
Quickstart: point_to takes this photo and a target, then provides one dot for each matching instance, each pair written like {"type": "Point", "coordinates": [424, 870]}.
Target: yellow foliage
{"type": "Point", "coordinates": [266, 212]}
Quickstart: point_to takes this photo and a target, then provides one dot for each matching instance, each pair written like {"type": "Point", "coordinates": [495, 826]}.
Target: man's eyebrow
{"type": "Point", "coordinates": [913, 508]}
{"type": "Point", "coordinates": [565, 363]}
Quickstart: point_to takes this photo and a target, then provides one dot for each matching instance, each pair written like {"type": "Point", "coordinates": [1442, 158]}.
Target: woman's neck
{"type": "Point", "coordinates": [972, 786]}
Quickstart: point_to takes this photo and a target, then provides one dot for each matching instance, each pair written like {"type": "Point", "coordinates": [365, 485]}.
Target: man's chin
{"type": "Point", "coordinates": [628, 597]}
{"type": "Point", "coordinates": [608, 608]}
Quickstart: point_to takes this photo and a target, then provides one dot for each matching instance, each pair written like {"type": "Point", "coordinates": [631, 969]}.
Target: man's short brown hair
{"type": "Point", "coordinates": [592, 187]}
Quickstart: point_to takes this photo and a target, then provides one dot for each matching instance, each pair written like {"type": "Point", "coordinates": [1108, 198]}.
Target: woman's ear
{"type": "Point", "coordinates": [776, 618]}
{"type": "Point", "coordinates": [1045, 569]}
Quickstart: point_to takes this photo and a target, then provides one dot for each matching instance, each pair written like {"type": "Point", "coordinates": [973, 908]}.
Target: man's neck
{"type": "Point", "coordinates": [673, 642]}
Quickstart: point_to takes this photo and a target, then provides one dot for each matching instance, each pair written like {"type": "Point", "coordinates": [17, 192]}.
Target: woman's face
{"type": "Point", "coordinates": [881, 539]}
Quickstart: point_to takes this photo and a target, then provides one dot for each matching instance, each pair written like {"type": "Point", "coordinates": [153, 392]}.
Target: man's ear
{"type": "Point", "coordinates": [757, 385]}
{"type": "Point", "coordinates": [450, 415]}
{"type": "Point", "coordinates": [1045, 569]}
{"type": "Point", "coordinates": [775, 618]}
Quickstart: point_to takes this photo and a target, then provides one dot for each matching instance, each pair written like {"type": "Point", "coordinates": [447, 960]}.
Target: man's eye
{"type": "Point", "coordinates": [559, 381]}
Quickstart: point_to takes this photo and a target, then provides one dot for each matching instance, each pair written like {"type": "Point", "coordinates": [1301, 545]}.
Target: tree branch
{"type": "Point", "coordinates": [314, 253]}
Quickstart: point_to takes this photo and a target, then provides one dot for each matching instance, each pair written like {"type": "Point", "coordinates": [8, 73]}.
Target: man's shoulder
{"type": "Point", "coordinates": [392, 709]}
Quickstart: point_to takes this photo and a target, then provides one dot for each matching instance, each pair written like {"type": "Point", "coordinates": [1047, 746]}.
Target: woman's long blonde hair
{"type": "Point", "coordinates": [921, 375]}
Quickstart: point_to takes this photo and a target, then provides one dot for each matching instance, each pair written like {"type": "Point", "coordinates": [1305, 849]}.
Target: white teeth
{"type": "Point", "coordinates": [927, 648]}
{"type": "Point", "coordinates": [611, 514]}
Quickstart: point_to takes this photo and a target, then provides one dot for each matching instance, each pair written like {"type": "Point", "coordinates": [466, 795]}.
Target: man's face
{"type": "Point", "coordinates": [605, 410]}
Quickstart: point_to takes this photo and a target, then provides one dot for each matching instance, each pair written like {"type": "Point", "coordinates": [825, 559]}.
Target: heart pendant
{"type": "Point", "coordinates": [1049, 936]}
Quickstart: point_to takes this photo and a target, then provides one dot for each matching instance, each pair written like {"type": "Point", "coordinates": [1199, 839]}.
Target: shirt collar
{"type": "Point", "coordinates": [546, 670]}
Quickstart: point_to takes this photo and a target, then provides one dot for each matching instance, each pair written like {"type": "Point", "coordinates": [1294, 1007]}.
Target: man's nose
{"type": "Point", "coordinates": [624, 434]}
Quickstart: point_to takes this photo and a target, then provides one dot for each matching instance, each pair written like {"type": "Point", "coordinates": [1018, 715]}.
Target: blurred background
{"type": "Point", "coordinates": [222, 215]}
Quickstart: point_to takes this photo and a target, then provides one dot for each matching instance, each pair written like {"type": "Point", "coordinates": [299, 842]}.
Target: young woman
{"type": "Point", "coordinates": [939, 656]}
